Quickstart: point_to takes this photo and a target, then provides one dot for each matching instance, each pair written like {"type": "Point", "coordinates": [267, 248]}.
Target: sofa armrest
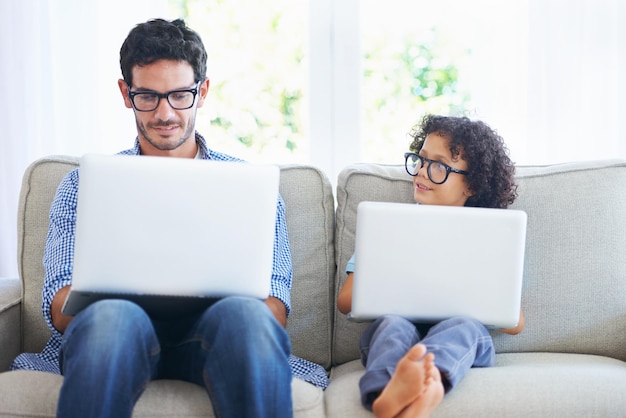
{"type": "Point", "coordinates": [10, 320]}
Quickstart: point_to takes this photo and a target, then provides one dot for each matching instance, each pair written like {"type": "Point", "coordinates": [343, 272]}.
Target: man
{"type": "Point", "coordinates": [238, 348]}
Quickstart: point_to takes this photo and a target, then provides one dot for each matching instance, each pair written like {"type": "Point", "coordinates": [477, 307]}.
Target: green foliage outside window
{"type": "Point", "coordinates": [258, 78]}
{"type": "Point", "coordinates": [257, 65]}
{"type": "Point", "coordinates": [407, 73]}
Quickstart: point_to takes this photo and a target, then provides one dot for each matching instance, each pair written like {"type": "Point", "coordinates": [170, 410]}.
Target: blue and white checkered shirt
{"type": "Point", "coordinates": [59, 254]}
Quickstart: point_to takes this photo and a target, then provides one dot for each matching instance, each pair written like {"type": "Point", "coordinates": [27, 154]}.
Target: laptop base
{"type": "Point", "coordinates": [156, 306]}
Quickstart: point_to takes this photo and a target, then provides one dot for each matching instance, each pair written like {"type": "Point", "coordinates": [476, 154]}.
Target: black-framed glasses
{"type": "Point", "coordinates": [438, 172]}
{"type": "Point", "coordinates": [147, 101]}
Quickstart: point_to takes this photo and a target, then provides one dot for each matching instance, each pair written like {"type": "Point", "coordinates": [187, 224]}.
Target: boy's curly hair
{"type": "Point", "coordinates": [491, 175]}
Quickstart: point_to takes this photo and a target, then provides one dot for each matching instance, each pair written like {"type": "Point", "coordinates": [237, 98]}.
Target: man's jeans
{"type": "Point", "coordinates": [236, 349]}
{"type": "Point", "coordinates": [458, 345]}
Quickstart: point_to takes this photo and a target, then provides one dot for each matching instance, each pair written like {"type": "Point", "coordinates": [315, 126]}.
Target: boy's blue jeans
{"type": "Point", "coordinates": [236, 349]}
{"type": "Point", "coordinates": [458, 345]}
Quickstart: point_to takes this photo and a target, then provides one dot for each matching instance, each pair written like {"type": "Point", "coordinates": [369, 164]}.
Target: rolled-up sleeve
{"type": "Point", "coordinates": [58, 254]}
{"type": "Point", "coordinates": [283, 270]}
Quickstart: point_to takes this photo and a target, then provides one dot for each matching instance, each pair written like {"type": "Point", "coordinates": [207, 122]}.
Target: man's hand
{"type": "Point", "coordinates": [59, 320]}
{"type": "Point", "coordinates": [278, 309]}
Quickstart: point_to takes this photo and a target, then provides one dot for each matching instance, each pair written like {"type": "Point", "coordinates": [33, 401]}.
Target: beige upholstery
{"type": "Point", "coordinates": [569, 361]}
{"type": "Point", "coordinates": [310, 221]}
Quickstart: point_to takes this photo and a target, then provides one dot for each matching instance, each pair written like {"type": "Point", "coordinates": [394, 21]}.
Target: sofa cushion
{"type": "Point", "coordinates": [575, 237]}
{"type": "Point", "coordinates": [35, 394]}
{"type": "Point", "coordinates": [39, 186]}
{"type": "Point", "coordinates": [574, 279]}
{"type": "Point", "coordinates": [310, 223]}
{"type": "Point", "coordinates": [519, 385]}
{"type": "Point", "coordinates": [356, 183]}
{"type": "Point", "coordinates": [10, 304]}
{"type": "Point", "coordinates": [310, 211]}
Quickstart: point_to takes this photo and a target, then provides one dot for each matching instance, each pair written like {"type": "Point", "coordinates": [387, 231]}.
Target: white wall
{"type": "Point", "coordinates": [58, 78]}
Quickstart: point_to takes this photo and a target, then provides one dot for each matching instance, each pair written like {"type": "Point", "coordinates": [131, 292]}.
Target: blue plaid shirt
{"type": "Point", "coordinates": [59, 254]}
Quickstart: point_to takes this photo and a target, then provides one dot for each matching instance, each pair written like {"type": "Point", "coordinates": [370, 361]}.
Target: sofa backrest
{"type": "Point", "coordinates": [310, 220]}
{"type": "Point", "coordinates": [574, 291]}
{"type": "Point", "coordinates": [39, 186]}
{"type": "Point", "coordinates": [574, 295]}
{"type": "Point", "coordinates": [310, 208]}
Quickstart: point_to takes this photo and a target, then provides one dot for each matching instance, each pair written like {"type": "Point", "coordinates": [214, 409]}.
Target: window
{"type": "Point", "coordinates": [257, 107]}
{"type": "Point", "coordinates": [323, 82]}
{"type": "Point", "coordinates": [330, 83]}
{"type": "Point", "coordinates": [463, 58]}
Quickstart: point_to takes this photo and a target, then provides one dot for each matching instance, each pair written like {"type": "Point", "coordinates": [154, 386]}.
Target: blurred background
{"type": "Point", "coordinates": [324, 82]}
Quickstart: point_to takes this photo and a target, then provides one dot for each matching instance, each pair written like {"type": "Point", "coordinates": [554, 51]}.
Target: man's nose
{"type": "Point", "coordinates": [164, 110]}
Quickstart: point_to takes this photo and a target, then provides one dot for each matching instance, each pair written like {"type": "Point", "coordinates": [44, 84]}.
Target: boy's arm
{"type": "Point", "coordinates": [344, 300]}
{"type": "Point", "coordinates": [518, 328]}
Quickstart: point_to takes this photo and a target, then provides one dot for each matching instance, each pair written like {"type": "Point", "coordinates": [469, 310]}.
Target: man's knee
{"type": "Point", "coordinates": [109, 319]}
{"type": "Point", "coordinates": [242, 319]}
{"type": "Point", "coordinates": [238, 308]}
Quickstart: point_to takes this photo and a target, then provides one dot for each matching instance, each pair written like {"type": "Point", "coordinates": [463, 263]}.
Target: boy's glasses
{"type": "Point", "coordinates": [437, 172]}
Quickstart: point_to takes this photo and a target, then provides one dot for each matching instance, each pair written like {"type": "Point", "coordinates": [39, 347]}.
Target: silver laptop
{"type": "Point", "coordinates": [428, 263]}
{"type": "Point", "coordinates": [172, 234]}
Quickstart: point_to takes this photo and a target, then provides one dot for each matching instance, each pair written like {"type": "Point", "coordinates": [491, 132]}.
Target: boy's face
{"type": "Point", "coordinates": [455, 191]}
{"type": "Point", "coordinates": [165, 131]}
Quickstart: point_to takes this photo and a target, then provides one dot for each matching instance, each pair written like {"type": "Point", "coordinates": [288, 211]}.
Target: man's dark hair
{"type": "Point", "coordinates": [159, 39]}
{"type": "Point", "coordinates": [491, 175]}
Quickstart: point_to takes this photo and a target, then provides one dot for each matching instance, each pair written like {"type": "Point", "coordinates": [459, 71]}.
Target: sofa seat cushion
{"type": "Point", "coordinates": [519, 385]}
{"type": "Point", "coordinates": [34, 394]}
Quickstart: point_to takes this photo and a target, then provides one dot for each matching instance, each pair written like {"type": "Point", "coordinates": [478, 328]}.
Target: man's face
{"type": "Point", "coordinates": [165, 130]}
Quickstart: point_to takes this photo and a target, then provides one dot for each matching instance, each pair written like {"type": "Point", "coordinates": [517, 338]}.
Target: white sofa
{"type": "Point", "coordinates": [569, 361]}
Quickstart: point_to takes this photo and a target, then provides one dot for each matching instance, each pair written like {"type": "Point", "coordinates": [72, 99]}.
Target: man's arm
{"type": "Point", "coordinates": [280, 292]}
{"type": "Point", "coordinates": [278, 308]}
{"type": "Point", "coordinates": [58, 253]}
{"type": "Point", "coordinates": [59, 320]}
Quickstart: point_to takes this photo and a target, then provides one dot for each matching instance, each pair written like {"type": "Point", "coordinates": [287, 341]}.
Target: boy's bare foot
{"type": "Point", "coordinates": [407, 384]}
{"type": "Point", "coordinates": [432, 396]}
